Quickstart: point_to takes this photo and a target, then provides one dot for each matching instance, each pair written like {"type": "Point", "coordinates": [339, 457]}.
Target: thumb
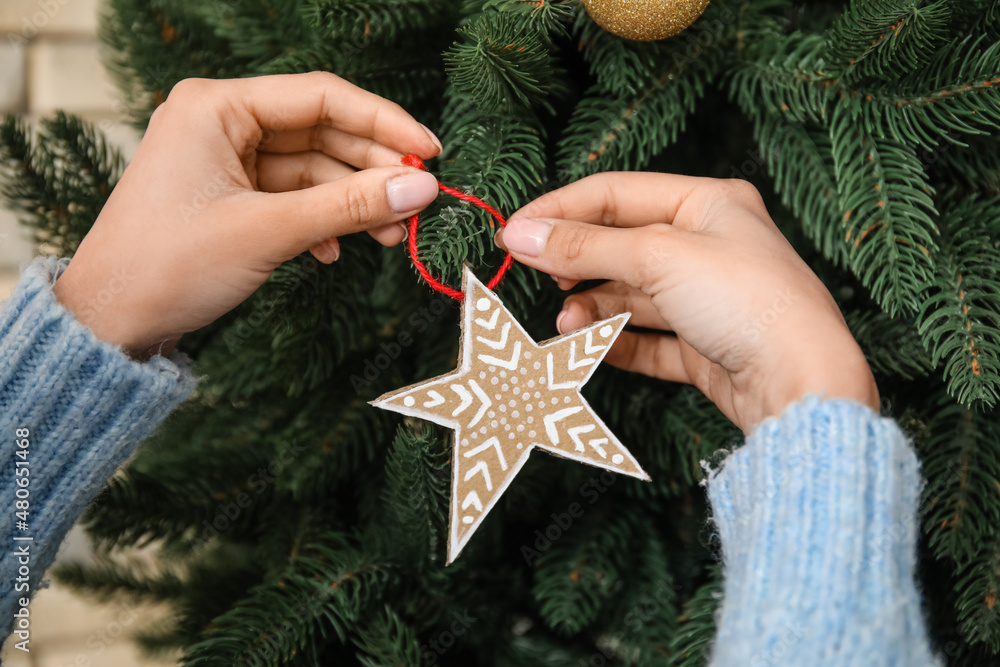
{"type": "Point", "coordinates": [582, 251]}
{"type": "Point", "coordinates": [298, 220]}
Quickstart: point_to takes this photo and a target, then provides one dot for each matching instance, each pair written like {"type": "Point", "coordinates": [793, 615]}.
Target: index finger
{"type": "Point", "coordinates": [617, 199]}
{"type": "Point", "coordinates": [295, 101]}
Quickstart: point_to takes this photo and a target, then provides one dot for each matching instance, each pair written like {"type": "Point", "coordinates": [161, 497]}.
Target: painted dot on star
{"type": "Point", "coordinates": [606, 330]}
{"type": "Point", "coordinates": [493, 423]}
{"type": "Point", "coordinates": [504, 387]}
{"type": "Point", "coordinates": [503, 408]}
{"type": "Point", "coordinates": [554, 400]}
{"type": "Point", "coordinates": [537, 365]}
{"type": "Point", "coordinates": [483, 304]}
{"type": "Point", "coordinates": [409, 401]}
{"type": "Point", "coordinates": [567, 399]}
{"type": "Point", "coordinates": [467, 519]}
{"type": "Point", "coordinates": [465, 442]}
{"type": "Point", "coordinates": [491, 414]}
{"type": "Point", "coordinates": [497, 396]}
{"type": "Point", "coordinates": [520, 446]}
{"type": "Point", "coordinates": [527, 354]}
{"type": "Point", "coordinates": [531, 434]}
{"type": "Point", "coordinates": [482, 375]}
{"type": "Point", "coordinates": [617, 458]}
{"type": "Point", "coordinates": [483, 430]}
{"type": "Point", "coordinates": [495, 380]}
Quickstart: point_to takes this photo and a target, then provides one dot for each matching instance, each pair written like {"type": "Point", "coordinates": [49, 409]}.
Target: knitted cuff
{"type": "Point", "coordinates": [85, 404]}
{"type": "Point", "coordinates": [817, 514]}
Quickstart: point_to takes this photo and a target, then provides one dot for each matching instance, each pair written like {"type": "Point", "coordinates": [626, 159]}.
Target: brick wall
{"type": "Point", "coordinates": [49, 59]}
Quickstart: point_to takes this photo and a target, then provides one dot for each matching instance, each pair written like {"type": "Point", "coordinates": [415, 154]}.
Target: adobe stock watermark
{"type": "Point", "coordinates": [562, 522]}
{"type": "Point", "coordinates": [122, 106]}
{"type": "Point", "coordinates": [754, 163]}
{"type": "Point", "coordinates": [702, 36]}
{"type": "Point", "coordinates": [391, 350]}
{"type": "Point", "coordinates": [901, 531]}
{"type": "Point", "coordinates": [304, 609]}
{"type": "Point", "coordinates": [654, 258]}
{"type": "Point", "coordinates": [225, 179]}
{"type": "Point", "coordinates": [904, 529]}
{"type": "Point", "coordinates": [32, 24]}
{"type": "Point", "coordinates": [99, 642]}
{"type": "Point", "coordinates": [431, 651]}
{"type": "Point", "coordinates": [245, 325]}
{"type": "Point", "coordinates": [745, 510]}
{"type": "Point", "coordinates": [783, 300]}
{"type": "Point", "coordinates": [612, 647]}
{"type": "Point", "coordinates": [779, 646]}
{"type": "Point", "coordinates": [257, 482]}
{"type": "Point", "coordinates": [220, 183]}
{"type": "Point", "coordinates": [118, 283]}
{"type": "Point", "coordinates": [227, 10]}
{"type": "Point", "coordinates": [757, 160]}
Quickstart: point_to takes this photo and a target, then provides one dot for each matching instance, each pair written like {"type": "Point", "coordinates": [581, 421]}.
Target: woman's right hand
{"type": "Point", "coordinates": [752, 326]}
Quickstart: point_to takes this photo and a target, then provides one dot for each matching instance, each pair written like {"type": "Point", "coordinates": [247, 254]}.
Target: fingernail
{"type": "Point", "coordinates": [412, 191]}
{"type": "Point", "coordinates": [334, 247]}
{"type": "Point", "coordinates": [433, 137]}
{"type": "Point", "coordinates": [406, 229]}
{"type": "Point", "coordinates": [526, 236]}
{"type": "Point", "coordinates": [559, 319]}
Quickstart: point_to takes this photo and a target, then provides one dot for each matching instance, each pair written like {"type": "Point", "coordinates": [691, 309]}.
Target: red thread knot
{"type": "Point", "coordinates": [412, 160]}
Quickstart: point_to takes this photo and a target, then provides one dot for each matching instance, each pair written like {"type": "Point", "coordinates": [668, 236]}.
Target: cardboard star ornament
{"type": "Point", "coordinates": [508, 396]}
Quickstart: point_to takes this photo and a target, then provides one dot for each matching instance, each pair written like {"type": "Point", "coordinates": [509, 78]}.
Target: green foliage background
{"type": "Point", "coordinates": [873, 131]}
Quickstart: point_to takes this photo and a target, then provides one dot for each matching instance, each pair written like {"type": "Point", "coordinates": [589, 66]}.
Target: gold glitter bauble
{"type": "Point", "coordinates": [644, 20]}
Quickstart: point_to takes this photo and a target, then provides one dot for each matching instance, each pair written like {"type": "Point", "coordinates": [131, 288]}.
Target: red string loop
{"type": "Point", "coordinates": [414, 161]}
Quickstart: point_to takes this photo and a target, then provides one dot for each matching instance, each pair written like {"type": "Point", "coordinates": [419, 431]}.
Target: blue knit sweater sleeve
{"type": "Point", "coordinates": [817, 515]}
{"type": "Point", "coordinates": [84, 405]}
